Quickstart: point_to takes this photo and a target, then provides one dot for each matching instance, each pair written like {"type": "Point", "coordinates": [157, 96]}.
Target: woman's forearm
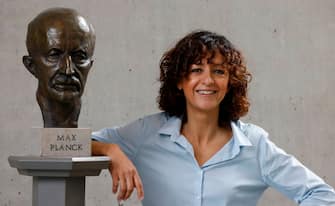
{"type": "Point", "coordinates": [107, 149]}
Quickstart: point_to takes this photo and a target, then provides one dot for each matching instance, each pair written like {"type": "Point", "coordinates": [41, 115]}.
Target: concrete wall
{"type": "Point", "coordinates": [288, 44]}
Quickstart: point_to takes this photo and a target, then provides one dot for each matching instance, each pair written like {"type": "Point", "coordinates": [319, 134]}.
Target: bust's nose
{"type": "Point", "coordinates": [68, 66]}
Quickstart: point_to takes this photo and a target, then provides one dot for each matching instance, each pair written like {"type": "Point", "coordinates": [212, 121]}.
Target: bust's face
{"type": "Point", "coordinates": [63, 59]}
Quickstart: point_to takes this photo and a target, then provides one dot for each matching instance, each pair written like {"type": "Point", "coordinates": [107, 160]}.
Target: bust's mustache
{"type": "Point", "coordinates": [66, 82]}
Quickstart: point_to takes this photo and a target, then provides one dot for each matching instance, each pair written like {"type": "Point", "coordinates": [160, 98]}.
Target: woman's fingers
{"type": "Point", "coordinates": [122, 188]}
{"type": "Point", "coordinates": [130, 185]}
{"type": "Point", "coordinates": [126, 184]}
{"type": "Point", "coordinates": [124, 175]}
{"type": "Point", "coordinates": [139, 186]}
{"type": "Point", "coordinates": [115, 180]}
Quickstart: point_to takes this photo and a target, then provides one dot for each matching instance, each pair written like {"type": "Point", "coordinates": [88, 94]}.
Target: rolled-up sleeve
{"type": "Point", "coordinates": [128, 137]}
{"type": "Point", "coordinates": [287, 175]}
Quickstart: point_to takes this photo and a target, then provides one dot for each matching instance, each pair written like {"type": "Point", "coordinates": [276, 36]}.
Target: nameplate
{"type": "Point", "coordinates": [66, 142]}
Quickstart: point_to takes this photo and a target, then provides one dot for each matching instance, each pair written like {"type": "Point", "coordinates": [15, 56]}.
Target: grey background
{"type": "Point", "coordinates": [288, 44]}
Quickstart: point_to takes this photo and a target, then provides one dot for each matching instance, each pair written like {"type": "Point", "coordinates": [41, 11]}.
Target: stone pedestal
{"type": "Point", "coordinates": [59, 181]}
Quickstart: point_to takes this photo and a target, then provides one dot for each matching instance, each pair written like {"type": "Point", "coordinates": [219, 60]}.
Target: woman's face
{"type": "Point", "coordinates": [206, 84]}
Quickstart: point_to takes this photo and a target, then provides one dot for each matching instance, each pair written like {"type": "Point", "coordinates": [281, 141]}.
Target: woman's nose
{"type": "Point", "coordinates": [208, 77]}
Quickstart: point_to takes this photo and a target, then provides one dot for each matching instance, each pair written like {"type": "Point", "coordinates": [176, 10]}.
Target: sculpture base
{"type": "Point", "coordinates": [59, 181]}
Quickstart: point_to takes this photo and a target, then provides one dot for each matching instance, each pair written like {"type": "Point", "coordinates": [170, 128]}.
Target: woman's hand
{"type": "Point", "coordinates": [124, 174]}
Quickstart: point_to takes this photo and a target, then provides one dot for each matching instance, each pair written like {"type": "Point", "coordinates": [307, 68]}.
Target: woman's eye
{"type": "Point", "coordinates": [196, 70]}
{"type": "Point", "coordinates": [219, 71]}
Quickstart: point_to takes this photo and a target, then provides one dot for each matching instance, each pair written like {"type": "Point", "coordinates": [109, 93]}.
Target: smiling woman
{"type": "Point", "coordinates": [199, 48]}
{"type": "Point", "coordinates": [197, 151]}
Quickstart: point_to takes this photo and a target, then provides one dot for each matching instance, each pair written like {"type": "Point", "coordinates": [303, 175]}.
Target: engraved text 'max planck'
{"type": "Point", "coordinates": [66, 142]}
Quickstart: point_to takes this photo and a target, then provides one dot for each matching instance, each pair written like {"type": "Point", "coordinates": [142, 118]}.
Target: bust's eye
{"type": "Point", "coordinates": [54, 54]}
{"type": "Point", "coordinates": [79, 56]}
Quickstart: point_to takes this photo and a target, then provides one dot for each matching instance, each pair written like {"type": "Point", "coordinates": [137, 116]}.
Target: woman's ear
{"type": "Point", "coordinates": [29, 64]}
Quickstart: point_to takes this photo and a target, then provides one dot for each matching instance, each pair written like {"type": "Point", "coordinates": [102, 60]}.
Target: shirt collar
{"type": "Point", "coordinates": [240, 139]}
{"type": "Point", "coordinates": [232, 148]}
{"type": "Point", "coordinates": [173, 125]}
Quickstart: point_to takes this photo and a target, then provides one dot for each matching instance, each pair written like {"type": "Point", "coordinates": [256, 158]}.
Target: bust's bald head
{"type": "Point", "coordinates": [60, 43]}
{"type": "Point", "coordinates": [57, 18]}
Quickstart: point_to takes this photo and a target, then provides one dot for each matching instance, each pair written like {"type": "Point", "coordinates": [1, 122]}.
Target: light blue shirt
{"type": "Point", "coordinates": [236, 175]}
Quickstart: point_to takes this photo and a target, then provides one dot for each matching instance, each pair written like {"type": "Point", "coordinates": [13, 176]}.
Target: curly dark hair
{"type": "Point", "coordinates": [175, 65]}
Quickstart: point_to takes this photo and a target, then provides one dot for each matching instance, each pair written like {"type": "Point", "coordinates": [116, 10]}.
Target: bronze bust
{"type": "Point", "coordinates": [60, 44]}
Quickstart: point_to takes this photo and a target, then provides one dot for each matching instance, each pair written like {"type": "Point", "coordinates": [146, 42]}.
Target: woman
{"type": "Point", "coordinates": [197, 151]}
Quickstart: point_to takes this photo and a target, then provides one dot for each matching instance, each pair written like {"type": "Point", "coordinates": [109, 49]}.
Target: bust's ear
{"type": "Point", "coordinates": [28, 63]}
